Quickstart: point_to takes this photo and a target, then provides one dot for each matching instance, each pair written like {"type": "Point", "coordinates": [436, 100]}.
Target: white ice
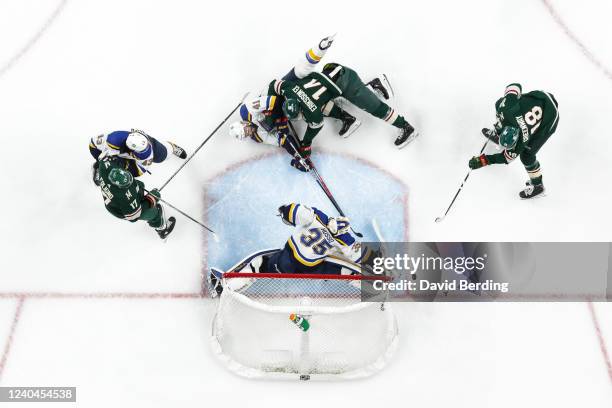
{"type": "Point", "coordinates": [175, 69]}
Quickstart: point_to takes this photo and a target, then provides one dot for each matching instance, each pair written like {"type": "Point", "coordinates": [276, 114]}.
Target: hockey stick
{"type": "Point", "coordinates": [439, 219]}
{"type": "Point", "coordinates": [204, 142]}
{"type": "Point", "coordinates": [317, 176]}
{"type": "Point", "coordinates": [216, 238]}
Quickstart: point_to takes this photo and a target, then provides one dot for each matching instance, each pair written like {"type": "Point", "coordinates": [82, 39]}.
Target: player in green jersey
{"type": "Point", "coordinates": [363, 96]}
{"type": "Point", "coordinates": [312, 97]}
{"type": "Point", "coordinates": [126, 198]}
{"type": "Point", "coordinates": [309, 98]}
{"type": "Point", "coordinates": [525, 121]}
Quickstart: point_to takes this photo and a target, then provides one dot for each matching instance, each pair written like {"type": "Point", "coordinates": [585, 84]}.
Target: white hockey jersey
{"type": "Point", "coordinates": [312, 242]}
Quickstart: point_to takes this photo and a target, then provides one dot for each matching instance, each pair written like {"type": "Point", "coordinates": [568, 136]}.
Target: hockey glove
{"type": "Point", "coordinates": [305, 151]}
{"type": "Point", "coordinates": [477, 162]}
{"type": "Point", "coordinates": [338, 225]}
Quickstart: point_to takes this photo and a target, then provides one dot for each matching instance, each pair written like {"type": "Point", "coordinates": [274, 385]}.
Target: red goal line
{"type": "Point", "coordinates": [256, 275]}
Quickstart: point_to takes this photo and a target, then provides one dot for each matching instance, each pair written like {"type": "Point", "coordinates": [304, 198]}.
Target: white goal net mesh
{"type": "Point", "coordinates": [255, 336]}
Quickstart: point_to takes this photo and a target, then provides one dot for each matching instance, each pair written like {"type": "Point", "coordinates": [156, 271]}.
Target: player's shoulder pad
{"type": "Point", "coordinates": [514, 89]}
{"type": "Point", "coordinates": [276, 86]}
{"type": "Point", "coordinates": [116, 139]}
{"type": "Point", "coordinates": [345, 239]}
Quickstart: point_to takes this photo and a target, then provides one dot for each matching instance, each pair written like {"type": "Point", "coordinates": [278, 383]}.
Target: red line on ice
{"type": "Point", "coordinates": [9, 340]}
{"type": "Point", "coordinates": [585, 50]}
{"type": "Point", "coordinates": [99, 295]}
{"type": "Point", "coordinates": [602, 341]}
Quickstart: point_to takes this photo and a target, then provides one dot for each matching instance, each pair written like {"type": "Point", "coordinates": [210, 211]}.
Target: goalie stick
{"type": "Point", "coordinates": [315, 173]}
{"type": "Point", "coordinates": [204, 142]}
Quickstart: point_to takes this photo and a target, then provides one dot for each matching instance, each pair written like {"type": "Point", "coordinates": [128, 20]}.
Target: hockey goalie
{"type": "Point", "coordinates": [320, 244]}
{"type": "Point", "coordinates": [299, 312]}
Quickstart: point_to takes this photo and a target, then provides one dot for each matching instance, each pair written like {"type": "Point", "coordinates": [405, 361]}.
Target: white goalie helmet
{"type": "Point", "coordinates": [137, 142]}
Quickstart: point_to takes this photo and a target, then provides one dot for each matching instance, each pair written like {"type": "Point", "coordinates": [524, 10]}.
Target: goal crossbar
{"type": "Point", "coordinates": [249, 275]}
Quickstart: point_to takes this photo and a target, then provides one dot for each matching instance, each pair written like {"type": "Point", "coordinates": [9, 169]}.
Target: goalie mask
{"type": "Point", "coordinates": [120, 178]}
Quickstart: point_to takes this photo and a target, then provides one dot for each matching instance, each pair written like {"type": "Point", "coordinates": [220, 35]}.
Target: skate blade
{"type": "Point", "coordinates": [541, 195]}
{"type": "Point", "coordinates": [352, 129]}
{"type": "Point", "coordinates": [409, 140]}
{"type": "Point", "coordinates": [387, 84]}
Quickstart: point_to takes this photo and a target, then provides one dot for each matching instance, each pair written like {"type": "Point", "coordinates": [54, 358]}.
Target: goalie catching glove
{"type": "Point", "coordinates": [336, 226]}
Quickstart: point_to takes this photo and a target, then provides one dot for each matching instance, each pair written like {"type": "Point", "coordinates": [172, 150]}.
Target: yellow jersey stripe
{"type": "Point", "coordinates": [291, 215]}
{"type": "Point", "coordinates": [299, 257]}
{"type": "Point", "coordinates": [340, 241]}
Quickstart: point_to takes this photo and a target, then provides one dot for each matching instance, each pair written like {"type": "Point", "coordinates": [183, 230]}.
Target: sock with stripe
{"type": "Point", "coordinates": [535, 173]}
{"type": "Point", "coordinates": [388, 114]}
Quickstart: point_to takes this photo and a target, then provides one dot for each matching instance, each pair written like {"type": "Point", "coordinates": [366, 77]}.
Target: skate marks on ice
{"type": "Point", "coordinates": [242, 201]}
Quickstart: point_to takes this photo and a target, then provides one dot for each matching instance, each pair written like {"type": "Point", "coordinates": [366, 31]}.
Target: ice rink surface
{"type": "Point", "coordinates": [90, 301]}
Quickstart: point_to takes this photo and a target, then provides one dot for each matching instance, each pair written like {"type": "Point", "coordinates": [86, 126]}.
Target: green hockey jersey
{"type": "Point", "coordinates": [125, 203]}
{"type": "Point", "coordinates": [534, 113]}
{"type": "Point", "coordinates": [313, 92]}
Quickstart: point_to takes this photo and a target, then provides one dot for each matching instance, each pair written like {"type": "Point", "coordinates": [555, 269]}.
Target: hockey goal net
{"type": "Point", "coordinates": [301, 326]}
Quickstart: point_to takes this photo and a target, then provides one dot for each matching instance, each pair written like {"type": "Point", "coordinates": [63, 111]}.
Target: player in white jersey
{"type": "Point", "coordinates": [137, 148]}
{"type": "Point", "coordinates": [317, 237]}
{"type": "Point", "coordinates": [320, 245]}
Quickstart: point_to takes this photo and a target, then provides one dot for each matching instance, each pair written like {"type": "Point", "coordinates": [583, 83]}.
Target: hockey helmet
{"type": "Point", "coordinates": [137, 142]}
{"type": "Point", "coordinates": [508, 137]}
{"type": "Point", "coordinates": [120, 178]}
{"type": "Point", "coordinates": [291, 108]}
